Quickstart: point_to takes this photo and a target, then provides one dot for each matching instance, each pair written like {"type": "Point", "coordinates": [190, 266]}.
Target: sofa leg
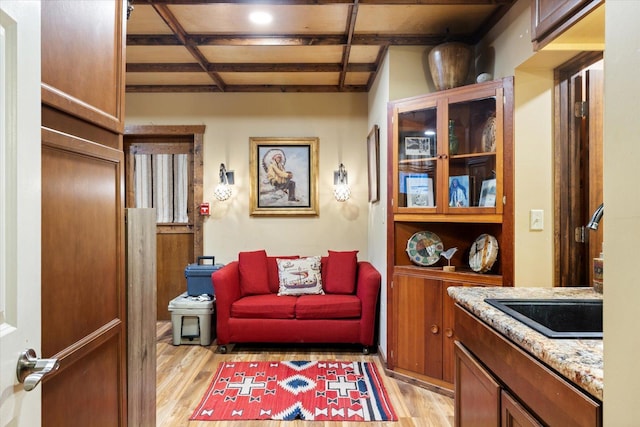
{"type": "Point", "coordinates": [222, 349]}
{"type": "Point", "coordinates": [365, 350]}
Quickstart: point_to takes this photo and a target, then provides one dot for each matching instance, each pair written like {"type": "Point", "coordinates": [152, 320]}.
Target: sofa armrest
{"type": "Point", "coordinates": [227, 286]}
{"type": "Point", "coordinates": [368, 282]}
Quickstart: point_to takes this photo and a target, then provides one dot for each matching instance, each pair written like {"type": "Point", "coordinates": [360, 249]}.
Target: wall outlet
{"type": "Point", "coordinates": [536, 220]}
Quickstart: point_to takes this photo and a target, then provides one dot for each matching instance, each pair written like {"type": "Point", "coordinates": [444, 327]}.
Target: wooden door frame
{"type": "Point", "coordinates": [564, 131]}
{"type": "Point", "coordinates": [195, 132]}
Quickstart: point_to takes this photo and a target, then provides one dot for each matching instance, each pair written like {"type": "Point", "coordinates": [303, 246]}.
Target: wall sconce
{"type": "Point", "coordinates": [223, 189]}
{"type": "Point", "coordinates": [341, 190]}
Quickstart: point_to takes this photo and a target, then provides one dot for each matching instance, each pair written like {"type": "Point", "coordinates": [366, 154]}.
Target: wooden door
{"type": "Point", "coordinates": [418, 325]}
{"type": "Point", "coordinates": [448, 333]}
{"type": "Point", "coordinates": [83, 270]}
{"type": "Point", "coordinates": [178, 243]}
{"type": "Point", "coordinates": [514, 414]}
{"type": "Point", "coordinates": [477, 393]}
{"type": "Point", "coordinates": [578, 169]}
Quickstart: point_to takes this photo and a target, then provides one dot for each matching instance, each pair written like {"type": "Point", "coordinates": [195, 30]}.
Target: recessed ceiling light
{"type": "Point", "coordinates": [260, 18]}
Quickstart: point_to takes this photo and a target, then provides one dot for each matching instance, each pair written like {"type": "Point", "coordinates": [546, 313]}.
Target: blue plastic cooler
{"type": "Point", "coordinates": [199, 276]}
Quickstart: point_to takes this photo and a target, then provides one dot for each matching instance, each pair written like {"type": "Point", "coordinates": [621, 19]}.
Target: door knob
{"type": "Point", "coordinates": [31, 369]}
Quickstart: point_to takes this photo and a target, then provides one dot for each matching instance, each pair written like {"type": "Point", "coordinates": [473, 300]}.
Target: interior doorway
{"type": "Point", "coordinates": [164, 169]}
{"type": "Point", "coordinates": [578, 167]}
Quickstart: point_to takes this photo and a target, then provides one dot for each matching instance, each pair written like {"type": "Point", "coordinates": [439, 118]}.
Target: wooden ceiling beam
{"type": "Point", "coordinates": [346, 52]}
{"type": "Point", "coordinates": [172, 22]}
{"type": "Point", "coordinates": [244, 88]}
{"type": "Point", "coordinates": [249, 68]}
{"type": "Point", "coordinates": [292, 40]}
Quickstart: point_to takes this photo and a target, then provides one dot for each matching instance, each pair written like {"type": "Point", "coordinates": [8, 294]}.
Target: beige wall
{"type": "Point", "coordinates": [622, 217]}
{"type": "Point", "coordinates": [377, 225]}
{"type": "Point", "coordinates": [339, 120]}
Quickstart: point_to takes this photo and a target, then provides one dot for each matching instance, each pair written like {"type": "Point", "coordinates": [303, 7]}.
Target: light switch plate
{"type": "Point", "coordinates": [536, 220]}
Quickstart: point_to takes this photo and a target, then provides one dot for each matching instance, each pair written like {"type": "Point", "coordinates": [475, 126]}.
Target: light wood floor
{"type": "Point", "coordinates": [185, 371]}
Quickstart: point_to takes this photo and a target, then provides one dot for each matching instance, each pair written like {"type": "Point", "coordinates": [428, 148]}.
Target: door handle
{"type": "Point", "coordinates": [31, 369]}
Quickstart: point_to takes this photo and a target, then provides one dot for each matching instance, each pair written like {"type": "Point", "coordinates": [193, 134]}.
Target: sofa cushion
{"type": "Point", "coordinates": [300, 276]}
{"type": "Point", "coordinates": [274, 279]}
{"type": "Point", "coordinates": [328, 307]}
{"type": "Point", "coordinates": [254, 274]}
{"type": "Point", "coordinates": [267, 306]}
{"type": "Point", "coordinates": [341, 272]}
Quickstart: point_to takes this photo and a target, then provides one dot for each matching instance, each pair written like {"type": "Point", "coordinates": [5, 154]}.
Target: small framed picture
{"type": "Point", "coordinates": [422, 146]}
{"type": "Point", "coordinates": [488, 193]}
{"type": "Point", "coordinates": [419, 191]}
{"type": "Point", "coordinates": [373, 163]}
{"type": "Point", "coordinates": [459, 191]}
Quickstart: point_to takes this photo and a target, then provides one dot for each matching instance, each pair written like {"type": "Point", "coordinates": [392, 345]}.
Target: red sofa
{"type": "Point", "coordinates": [249, 309]}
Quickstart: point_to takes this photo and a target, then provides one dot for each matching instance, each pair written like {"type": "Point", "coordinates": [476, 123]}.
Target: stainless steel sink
{"type": "Point", "coordinates": [555, 318]}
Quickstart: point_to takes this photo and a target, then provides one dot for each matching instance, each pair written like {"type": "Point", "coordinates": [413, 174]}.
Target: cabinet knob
{"type": "Point", "coordinates": [435, 329]}
{"type": "Point", "coordinates": [448, 332]}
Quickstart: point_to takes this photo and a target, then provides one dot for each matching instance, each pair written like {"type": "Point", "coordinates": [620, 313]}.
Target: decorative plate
{"type": "Point", "coordinates": [424, 248]}
{"type": "Point", "coordinates": [483, 253]}
{"type": "Point", "coordinates": [489, 135]}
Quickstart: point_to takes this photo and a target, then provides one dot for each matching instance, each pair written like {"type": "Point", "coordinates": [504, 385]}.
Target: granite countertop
{"type": "Point", "coordinates": [578, 360]}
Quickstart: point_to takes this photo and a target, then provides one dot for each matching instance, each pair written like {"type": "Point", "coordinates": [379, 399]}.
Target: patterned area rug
{"type": "Point", "coordinates": [307, 390]}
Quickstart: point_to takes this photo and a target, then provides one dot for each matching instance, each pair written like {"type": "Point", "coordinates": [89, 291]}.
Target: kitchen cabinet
{"type": "Point", "coordinates": [549, 18]}
{"type": "Point", "coordinates": [462, 134]}
{"type": "Point", "coordinates": [498, 383]}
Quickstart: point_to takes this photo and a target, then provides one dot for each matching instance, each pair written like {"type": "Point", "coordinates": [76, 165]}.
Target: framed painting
{"type": "Point", "coordinates": [284, 176]}
{"type": "Point", "coordinates": [373, 162]}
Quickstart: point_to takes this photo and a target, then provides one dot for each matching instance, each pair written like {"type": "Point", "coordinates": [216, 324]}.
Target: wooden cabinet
{"type": "Point", "coordinates": [477, 397]}
{"type": "Point", "coordinates": [498, 383]}
{"type": "Point", "coordinates": [480, 400]}
{"type": "Point", "coordinates": [462, 134]}
{"type": "Point", "coordinates": [549, 18]}
{"type": "Point", "coordinates": [424, 331]}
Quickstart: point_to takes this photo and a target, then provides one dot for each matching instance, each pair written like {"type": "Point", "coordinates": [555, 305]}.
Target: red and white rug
{"type": "Point", "coordinates": [307, 390]}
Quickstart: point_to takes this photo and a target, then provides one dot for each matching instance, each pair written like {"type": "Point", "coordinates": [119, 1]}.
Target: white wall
{"type": "Point", "coordinates": [622, 200]}
{"type": "Point", "coordinates": [339, 120]}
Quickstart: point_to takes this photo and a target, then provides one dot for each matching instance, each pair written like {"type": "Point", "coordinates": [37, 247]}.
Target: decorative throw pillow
{"type": "Point", "coordinates": [300, 276]}
{"type": "Point", "coordinates": [254, 275]}
{"type": "Point", "coordinates": [274, 278]}
{"type": "Point", "coordinates": [341, 272]}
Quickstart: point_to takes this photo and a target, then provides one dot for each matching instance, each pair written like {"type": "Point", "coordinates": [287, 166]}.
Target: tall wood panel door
{"type": "Point", "coordinates": [83, 269]}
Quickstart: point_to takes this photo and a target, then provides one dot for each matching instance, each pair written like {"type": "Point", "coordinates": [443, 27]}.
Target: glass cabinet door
{"type": "Point", "coordinates": [473, 140]}
{"type": "Point", "coordinates": [417, 158]}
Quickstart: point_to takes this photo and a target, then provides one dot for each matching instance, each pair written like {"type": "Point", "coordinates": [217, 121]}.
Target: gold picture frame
{"type": "Point", "coordinates": [284, 176]}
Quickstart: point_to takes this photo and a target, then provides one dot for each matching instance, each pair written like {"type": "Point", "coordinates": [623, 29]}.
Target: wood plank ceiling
{"type": "Point", "coordinates": [310, 45]}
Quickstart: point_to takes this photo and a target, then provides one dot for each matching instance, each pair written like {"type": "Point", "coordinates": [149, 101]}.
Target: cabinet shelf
{"type": "Point", "coordinates": [477, 217]}
{"type": "Point", "coordinates": [462, 274]}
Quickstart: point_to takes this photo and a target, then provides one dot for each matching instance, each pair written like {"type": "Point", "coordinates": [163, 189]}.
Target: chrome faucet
{"type": "Point", "coordinates": [596, 217]}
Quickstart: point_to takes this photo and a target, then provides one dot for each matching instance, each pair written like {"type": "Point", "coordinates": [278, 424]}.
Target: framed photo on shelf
{"type": "Point", "coordinates": [459, 191]}
{"type": "Point", "coordinates": [419, 191]}
{"type": "Point", "coordinates": [373, 163]}
{"type": "Point", "coordinates": [284, 176]}
{"type": "Point", "coordinates": [488, 193]}
{"type": "Point", "coordinates": [420, 146]}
